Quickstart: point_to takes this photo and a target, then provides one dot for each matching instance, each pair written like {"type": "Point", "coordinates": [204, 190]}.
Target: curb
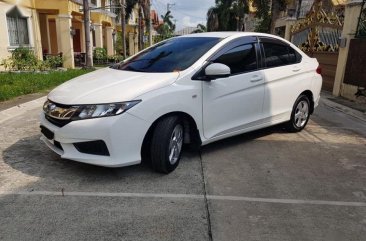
{"type": "Point", "coordinates": [344, 109]}
{"type": "Point", "coordinates": [21, 109]}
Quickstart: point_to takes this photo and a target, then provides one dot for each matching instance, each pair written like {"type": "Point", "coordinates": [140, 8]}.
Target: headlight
{"type": "Point", "coordinates": [103, 110]}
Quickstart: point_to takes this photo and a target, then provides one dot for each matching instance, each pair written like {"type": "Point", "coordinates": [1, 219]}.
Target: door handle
{"type": "Point", "coordinates": [256, 78]}
{"type": "Point", "coordinates": [296, 69]}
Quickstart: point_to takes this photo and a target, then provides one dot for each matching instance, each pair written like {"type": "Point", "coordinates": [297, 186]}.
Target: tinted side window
{"type": "Point", "coordinates": [240, 59]}
{"type": "Point", "coordinates": [279, 55]}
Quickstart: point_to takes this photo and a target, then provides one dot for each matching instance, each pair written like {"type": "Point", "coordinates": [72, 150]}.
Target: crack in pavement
{"type": "Point", "coordinates": [205, 197]}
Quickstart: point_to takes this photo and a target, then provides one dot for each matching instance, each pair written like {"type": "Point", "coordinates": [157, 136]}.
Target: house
{"type": "Point", "coordinates": [54, 27]}
{"type": "Point", "coordinates": [185, 31]}
{"type": "Point", "coordinates": [294, 12]}
{"type": "Point", "coordinates": [333, 31]}
{"type": "Point", "coordinates": [132, 28]}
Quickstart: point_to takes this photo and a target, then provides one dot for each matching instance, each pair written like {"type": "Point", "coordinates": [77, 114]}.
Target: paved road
{"type": "Point", "coordinates": [266, 185]}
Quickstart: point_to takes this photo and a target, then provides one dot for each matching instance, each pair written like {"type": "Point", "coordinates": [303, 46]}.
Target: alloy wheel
{"type": "Point", "coordinates": [175, 144]}
{"type": "Point", "coordinates": [301, 113]}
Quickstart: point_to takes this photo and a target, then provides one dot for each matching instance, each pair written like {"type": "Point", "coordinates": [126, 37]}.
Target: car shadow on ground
{"type": "Point", "coordinates": [31, 156]}
{"type": "Point", "coordinates": [32, 160]}
{"type": "Point", "coordinates": [323, 162]}
{"type": "Point", "coordinates": [29, 166]}
{"type": "Point", "coordinates": [243, 138]}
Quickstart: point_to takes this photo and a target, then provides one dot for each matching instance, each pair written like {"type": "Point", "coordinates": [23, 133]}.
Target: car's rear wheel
{"type": "Point", "coordinates": [300, 114]}
{"type": "Point", "coordinates": [166, 144]}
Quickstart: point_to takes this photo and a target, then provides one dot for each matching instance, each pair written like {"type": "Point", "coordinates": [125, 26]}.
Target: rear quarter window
{"type": "Point", "coordinates": [276, 55]}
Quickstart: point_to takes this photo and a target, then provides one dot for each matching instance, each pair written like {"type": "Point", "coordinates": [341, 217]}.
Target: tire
{"type": "Point", "coordinates": [166, 144]}
{"type": "Point", "coordinates": [300, 114]}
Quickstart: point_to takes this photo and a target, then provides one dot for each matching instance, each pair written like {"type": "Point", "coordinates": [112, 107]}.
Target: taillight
{"type": "Point", "coordinates": [319, 70]}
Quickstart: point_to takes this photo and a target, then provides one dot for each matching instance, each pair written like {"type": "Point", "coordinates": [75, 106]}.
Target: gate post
{"type": "Point", "coordinates": [352, 13]}
{"type": "Point", "coordinates": [289, 23]}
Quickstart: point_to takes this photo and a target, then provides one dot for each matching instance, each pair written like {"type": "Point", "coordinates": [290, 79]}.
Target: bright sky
{"type": "Point", "coordinates": [188, 13]}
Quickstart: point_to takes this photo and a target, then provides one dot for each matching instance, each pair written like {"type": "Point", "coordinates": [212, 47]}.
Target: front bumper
{"type": "Point", "coordinates": [122, 134]}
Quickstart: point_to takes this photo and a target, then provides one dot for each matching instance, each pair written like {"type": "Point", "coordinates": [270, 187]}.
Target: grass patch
{"type": "Point", "coordinates": [17, 84]}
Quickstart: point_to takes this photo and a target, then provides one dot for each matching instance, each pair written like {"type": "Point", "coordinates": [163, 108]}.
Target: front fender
{"type": "Point", "coordinates": [173, 98]}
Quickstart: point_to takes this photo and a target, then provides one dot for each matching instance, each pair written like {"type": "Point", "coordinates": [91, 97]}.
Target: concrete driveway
{"type": "Point", "coordinates": [265, 185]}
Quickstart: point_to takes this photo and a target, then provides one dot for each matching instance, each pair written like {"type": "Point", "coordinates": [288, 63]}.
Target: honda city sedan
{"type": "Point", "coordinates": [186, 91]}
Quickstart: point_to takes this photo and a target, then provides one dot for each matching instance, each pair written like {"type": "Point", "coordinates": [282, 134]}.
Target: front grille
{"type": "Point", "coordinates": [59, 114]}
{"type": "Point", "coordinates": [57, 122]}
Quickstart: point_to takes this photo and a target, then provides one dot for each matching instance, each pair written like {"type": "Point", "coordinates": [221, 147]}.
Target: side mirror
{"type": "Point", "coordinates": [216, 70]}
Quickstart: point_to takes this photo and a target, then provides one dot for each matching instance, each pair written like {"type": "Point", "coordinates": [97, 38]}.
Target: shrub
{"type": "Point", "coordinates": [115, 58]}
{"type": "Point", "coordinates": [7, 63]}
{"type": "Point", "coordinates": [43, 65]}
{"type": "Point", "coordinates": [23, 59]}
{"type": "Point", "coordinates": [54, 61]}
{"type": "Point", "coordinates": [100, 54]}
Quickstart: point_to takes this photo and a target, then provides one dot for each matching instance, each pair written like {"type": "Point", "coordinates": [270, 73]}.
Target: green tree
{"type": "Point", "coordinates": [166, 29]}
{"type": "Point", "coordinates": [200, 29]}
{"type": "Point", "coordinates": [263, 14]}
{"type": "Point", "coordinates": [268, 12]}
{"type": "Point", "coordinates": [143, 7]}
{"type": "Point", "coordinates": [130, 4]}
{"type": "Point", "coordinates": [213, 19]}
{"type": "Point", "coordinates": [227, 15]}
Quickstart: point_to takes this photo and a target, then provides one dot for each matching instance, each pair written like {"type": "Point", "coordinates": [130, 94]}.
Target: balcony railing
{"type": "Point", "coordinates": [93, 3]}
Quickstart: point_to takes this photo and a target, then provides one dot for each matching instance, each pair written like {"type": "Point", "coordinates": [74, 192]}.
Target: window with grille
{"type": "Point", "coordinates": [361, 26]}
{"type": "Point", "coordinates": [17, 28]}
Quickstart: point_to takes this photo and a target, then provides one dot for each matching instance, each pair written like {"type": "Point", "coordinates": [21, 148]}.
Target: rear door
{"type": "Point", "coordinates": [285, 78]}
{"type": "Point", "coordinates": [234, 103]}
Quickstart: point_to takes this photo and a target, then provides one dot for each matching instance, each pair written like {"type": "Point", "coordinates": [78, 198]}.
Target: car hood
{"type": "Point", "coordinates": [109, 85]}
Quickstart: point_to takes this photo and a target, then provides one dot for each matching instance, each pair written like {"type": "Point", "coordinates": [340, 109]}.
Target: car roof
{"type": "Point", "coordinates": [234, 35]}
{"type": "Point", "coordinates": [227, 34]}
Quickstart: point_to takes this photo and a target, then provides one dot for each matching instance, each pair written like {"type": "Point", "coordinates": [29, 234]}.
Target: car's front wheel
{"type": "Point", "coordinates": [166, 144]}
{"type": "Point", "coordinates": [300, 114]}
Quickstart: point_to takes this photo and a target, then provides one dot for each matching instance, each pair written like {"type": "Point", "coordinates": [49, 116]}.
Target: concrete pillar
{"type": "Point", "coordinates": [109, 40]}
{"type": "Point", "coordinates": [64, 39]}
{"type": "Point", "coordinates": [98, 35]}
{"type": "Point", "coordinates": [136, 38]}
{"type": "Point", "coordinates": [91, 39]}
{"type": "Point", "coordinates": [289, 23]}
{"type": "Point", "coordinates": [37, 35]}
{"type": "Point", "coordinates": [131, 45]}
{"type": "Point", "coordinates": [352, 13]}
{"type": "Point", "coordinates": [82, 37]}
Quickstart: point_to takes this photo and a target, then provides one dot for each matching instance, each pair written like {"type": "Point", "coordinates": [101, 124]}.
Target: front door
{"type": "Point", "coordinates": [234, 103]}
{"type": "Point", "coordinates": [76, 41]}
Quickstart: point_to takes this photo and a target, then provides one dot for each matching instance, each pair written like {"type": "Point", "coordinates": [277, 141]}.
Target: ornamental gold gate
{"type": "Point", "coordinates": [318, 35]}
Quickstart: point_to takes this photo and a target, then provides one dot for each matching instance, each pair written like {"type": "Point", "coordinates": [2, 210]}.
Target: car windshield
{"type": "Point", "coordinates": [172, 55]}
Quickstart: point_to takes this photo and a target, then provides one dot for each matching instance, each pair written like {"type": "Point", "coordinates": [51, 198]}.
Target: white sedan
{"type": "Point", "coordinates": [193, 90]}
